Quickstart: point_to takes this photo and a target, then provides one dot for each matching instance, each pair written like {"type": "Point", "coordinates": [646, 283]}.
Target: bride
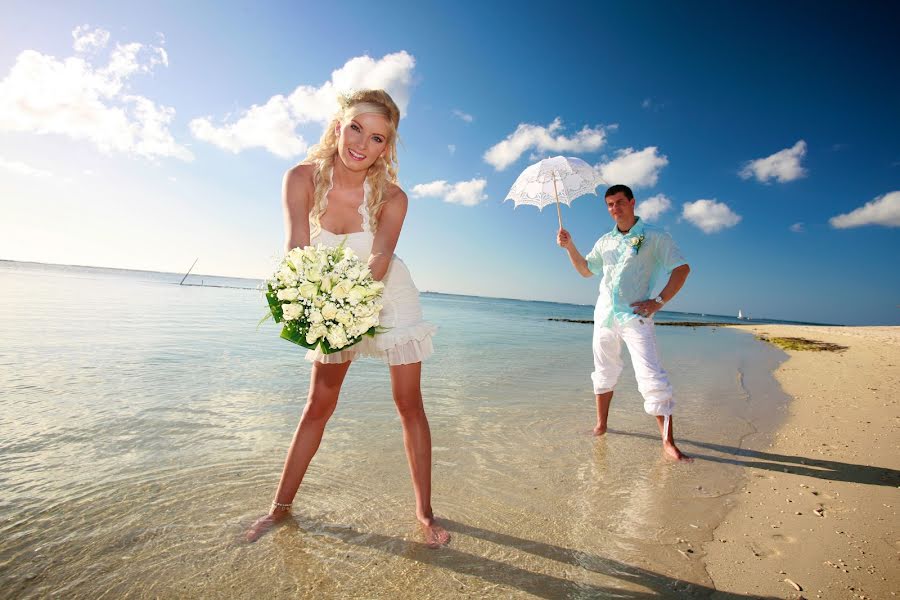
{"type": "Point", "coordinates": [346, 190]}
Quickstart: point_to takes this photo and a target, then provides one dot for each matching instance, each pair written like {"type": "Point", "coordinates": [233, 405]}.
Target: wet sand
{"type": "Point", "coordinates": [817, 517]}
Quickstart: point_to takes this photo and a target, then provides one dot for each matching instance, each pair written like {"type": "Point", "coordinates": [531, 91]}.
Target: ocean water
{"type": "Point", "coordinates": [144, 425]}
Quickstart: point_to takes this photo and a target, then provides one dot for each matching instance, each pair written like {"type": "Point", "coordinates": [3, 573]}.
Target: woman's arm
{"type": "Point", "coordinates": [390, 222]}
{"type": "Point", "coordinates": [297, 197]}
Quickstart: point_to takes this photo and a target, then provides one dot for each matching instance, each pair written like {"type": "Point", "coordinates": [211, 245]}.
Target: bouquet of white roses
{"type": "Point", "coordinates": [326, 297]}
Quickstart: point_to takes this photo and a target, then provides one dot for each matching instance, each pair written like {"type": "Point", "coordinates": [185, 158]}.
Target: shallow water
{"type": "Point", "coordinates": [144, 426]}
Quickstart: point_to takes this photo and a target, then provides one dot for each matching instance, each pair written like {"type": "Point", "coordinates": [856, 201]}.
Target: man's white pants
{"type": "Point", "coordinates": [639, 337]}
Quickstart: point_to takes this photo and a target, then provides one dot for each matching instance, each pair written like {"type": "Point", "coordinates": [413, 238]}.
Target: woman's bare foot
{"type": "Point", "coordinates": [600, 429]}
{"type": "Point", "coordinates": [672, 452]}
{"type": "Point", "coordinates": [263, 525]}
{"type": "Point", "coordinates": [435, 535]}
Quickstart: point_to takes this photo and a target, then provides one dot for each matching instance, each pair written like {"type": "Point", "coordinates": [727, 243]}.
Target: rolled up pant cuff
{"type": "Point", "coordinates": [659, 408]}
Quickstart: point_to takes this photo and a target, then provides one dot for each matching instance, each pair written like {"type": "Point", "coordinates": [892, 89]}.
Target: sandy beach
{"type": "Point", "coordinates": [817, 517]}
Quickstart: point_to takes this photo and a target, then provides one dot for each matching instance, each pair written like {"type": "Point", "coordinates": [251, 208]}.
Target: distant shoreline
{"type": "Point", "coordinates": [666, 323]}
{"type": "Point", "coordinates": [256, 280]}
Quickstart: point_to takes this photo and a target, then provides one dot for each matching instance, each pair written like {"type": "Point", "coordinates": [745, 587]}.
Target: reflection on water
{"type": "Point", "coordinates": [144, 425]}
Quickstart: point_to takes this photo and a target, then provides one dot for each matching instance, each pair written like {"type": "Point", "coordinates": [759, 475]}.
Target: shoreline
{"type": "Point", "coordinates": [816, 516]}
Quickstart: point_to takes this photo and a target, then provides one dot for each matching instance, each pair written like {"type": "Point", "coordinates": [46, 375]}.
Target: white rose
{"type": "Point", "coordinates": [366, 324]}
{"type": "Point", "coordinates": [340, 291]}
{"type": "Point", "coordinates": [337, 337]}
{"type": "Point", "coordinates": [327, 283]}
{"type": "Point", "coordinates": [291, 311]}
{"type": "Point", "coordinates": [315, 316]}
{"type": "Point", "coordinates": [329, 311]}
{"type": "Point", "coordinates": [286, 275]}
{"type": "Point", "coordinates": [288, 294]}
{"type": "Point", "coordinates": [313, 274]}
{"type": "Point", "coordinates": [315, 333]}
{"type": "Point", "coordinates": [375, 288]}
{"type": "Point", "coordinates": [343, 317]}
{"type": "Point", "coordinates": [356, 295]}
{"type": "Point", "coordinates": [349, 254]}
{"type": "Point", "coordinates": [363, 310]}
{"type": "Point", "coordinates": [308, 290]}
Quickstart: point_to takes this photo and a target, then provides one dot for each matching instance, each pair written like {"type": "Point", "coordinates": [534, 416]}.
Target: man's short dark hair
{"type": "Point", "coordinates": [615, 189]}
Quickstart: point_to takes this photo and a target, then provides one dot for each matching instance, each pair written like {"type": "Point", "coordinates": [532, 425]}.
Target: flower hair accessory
{"type": "Point", "coordinates": [344, 100]}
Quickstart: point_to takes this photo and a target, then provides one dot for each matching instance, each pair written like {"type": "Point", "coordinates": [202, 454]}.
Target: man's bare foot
{"type": "Point", "coordinates": [672, 452]}
{"type": "Point", "coordinates": [263, 525]}
{"type": "Point", "coordinates": [435, 535]}
{"type": "Point", "coordinates": [599, 430]}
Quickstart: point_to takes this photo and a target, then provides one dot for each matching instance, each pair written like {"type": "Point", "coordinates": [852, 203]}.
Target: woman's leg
{"type": "Point", "coordinates": [405, 384]}
{"type": "Point", "coordinates": [324, 387]}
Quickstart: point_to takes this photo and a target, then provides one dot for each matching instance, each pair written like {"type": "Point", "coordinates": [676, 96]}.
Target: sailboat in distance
{"type": "Point", "coordinates": [740, 314]}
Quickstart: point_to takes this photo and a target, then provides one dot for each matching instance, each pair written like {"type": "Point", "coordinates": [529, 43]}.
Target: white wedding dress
{"type": "Point", "coordinates": [408, 337]}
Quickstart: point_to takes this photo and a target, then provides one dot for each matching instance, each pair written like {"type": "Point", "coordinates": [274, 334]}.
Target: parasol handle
{"type": "Point", "coordinates": [558, 211]}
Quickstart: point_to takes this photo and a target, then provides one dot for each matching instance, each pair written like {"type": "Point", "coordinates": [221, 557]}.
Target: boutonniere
{"type": "Point", "coordinates": [636, 242]}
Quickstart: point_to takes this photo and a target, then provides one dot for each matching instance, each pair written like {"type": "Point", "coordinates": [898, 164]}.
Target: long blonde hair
{"type": "Point", "coordinates": [382, 171]}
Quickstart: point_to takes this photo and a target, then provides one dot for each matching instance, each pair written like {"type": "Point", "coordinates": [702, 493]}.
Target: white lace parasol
{"type": "Point", "coordinates": [559, 179]}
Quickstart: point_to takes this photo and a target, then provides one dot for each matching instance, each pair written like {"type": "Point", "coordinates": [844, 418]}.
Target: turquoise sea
{"type": "Point", "coordinates": [144, 424]}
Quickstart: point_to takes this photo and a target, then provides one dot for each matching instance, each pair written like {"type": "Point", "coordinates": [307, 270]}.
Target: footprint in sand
{"type": "Point", "coordinates": [771, 547]}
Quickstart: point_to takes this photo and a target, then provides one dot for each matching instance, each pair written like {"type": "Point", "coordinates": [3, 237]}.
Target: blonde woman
{"type": "Point", "coordinates": [346, 190]}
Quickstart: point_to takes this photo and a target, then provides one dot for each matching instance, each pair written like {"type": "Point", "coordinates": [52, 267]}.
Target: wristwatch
{"type": "Point", "coordinates": [659, 300]}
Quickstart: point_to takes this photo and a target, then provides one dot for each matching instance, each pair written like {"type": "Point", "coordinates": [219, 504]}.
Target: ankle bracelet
{"type": "Point", "coordinates": [281, 505]}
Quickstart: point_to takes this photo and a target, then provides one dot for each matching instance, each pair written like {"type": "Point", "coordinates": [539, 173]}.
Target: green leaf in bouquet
{"type": "Point", "coordinates": [292, 332]}
{"type": "Point", "coordinates": [274, 304]}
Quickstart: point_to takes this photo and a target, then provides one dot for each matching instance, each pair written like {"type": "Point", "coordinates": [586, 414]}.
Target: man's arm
{"type": "Point", "coordinates": [578, 261]}
{"type": "Point", "coordinates": [676, 281]}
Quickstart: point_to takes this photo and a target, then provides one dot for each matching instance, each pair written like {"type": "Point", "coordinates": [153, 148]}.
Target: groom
{"type": "Point", "coordinates": [629, 258]}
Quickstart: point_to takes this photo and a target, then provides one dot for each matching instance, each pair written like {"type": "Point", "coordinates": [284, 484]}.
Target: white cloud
{"type": "Point", "coordinates": [883, 210]}
{"type": "Point", "coordinates": [451, 148]}
{"type": "Point", "coordinates": [272, 125]}
{"type": "Point", "coordinates": [653, 207]}
{"type": "Point", "coordinates": [543, 139]}
{"type": "Point", "coordinates": [709, 215]}
{"type": "Point", "coordinates": [85, 39]}
{"type": "Point", "coordinates": [466, 193]}
{"type": "Point", "coordinates": [464, 116]}
{"type": "Point", "coordinates": [798, 228]}
{"type": "Point", "coordinates": [23, 169]}
{"type": "Point", "coordinates": [634, 168]}
{"type": "Point", "coordinates": [79, 99]}
{"type": "Point", "coordinates": [783, 166]}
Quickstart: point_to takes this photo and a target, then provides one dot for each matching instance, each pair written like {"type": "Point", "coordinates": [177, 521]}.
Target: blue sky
{"type": "Point", "coordinates": [757, 124]}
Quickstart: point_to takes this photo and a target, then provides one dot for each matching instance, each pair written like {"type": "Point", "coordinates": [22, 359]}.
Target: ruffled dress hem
{"type": "Point", "coordinates": [396, 346]}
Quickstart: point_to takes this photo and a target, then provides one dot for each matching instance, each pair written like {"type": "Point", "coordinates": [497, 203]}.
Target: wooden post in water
{"type": "Point", "coordinates": [189, 271]}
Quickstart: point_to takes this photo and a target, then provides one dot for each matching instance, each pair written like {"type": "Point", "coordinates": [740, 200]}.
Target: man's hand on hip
{"type": "Point", "coordinates": [646, 308]}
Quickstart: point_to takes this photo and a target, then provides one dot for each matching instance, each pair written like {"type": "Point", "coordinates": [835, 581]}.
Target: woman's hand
{"type": "Point", "coordinates": [563, 239]}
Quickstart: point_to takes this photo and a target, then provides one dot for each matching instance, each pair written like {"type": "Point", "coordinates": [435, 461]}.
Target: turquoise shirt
{"type": "Point", "coordinates": [630, 269]}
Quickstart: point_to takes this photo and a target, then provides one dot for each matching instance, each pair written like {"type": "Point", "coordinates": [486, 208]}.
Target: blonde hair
{"type": "Point", "coordinates": [382, 171]}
